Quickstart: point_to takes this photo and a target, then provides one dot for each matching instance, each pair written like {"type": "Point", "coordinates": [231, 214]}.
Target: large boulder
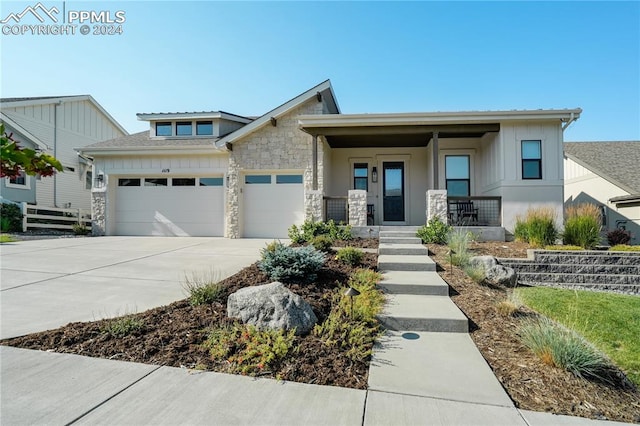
{"type": "Point", "coordinates": [494, 273]}
{"type": "Point", "coordinates": [271, 306]}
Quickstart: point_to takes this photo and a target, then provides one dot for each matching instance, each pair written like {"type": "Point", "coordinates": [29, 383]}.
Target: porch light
{"type": "Point", "coordinates": [374, 174]}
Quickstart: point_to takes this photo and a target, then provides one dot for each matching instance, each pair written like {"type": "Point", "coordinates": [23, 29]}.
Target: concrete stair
{"type": "Point", "coordinates": [403, 249]}
{"type": "Point", "coordinates": [423, 313]}
{"type": "Point", "coordinates": [390, 262]}
{"type": "Point", "coordinates": [421, 283]}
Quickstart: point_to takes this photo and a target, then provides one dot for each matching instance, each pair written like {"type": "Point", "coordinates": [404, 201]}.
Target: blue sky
{"type": "Point", "coordinates": [248, 57]}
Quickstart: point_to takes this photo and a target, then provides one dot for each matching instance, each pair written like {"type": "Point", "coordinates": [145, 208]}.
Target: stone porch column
{"type": "Point", "coordinates": [357, 200]}
{"type": "Point", "coordinates": [313, 205]}
{"type": "Point", "coordinates": [232, 224]}
{"type": "Point", "coordinates": [99, 212]}
{"type": "Point", "coordinates": [437, 204]}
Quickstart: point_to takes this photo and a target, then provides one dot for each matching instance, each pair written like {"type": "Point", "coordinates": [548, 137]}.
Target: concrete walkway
{"type": "Point", "coordinates": [417, 377]}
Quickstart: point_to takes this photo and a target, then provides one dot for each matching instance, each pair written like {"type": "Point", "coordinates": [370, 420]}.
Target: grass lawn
{"type": "Point", "coordinates": [610, 321]}
{"type": "Point", "coordinates": [6, 239]}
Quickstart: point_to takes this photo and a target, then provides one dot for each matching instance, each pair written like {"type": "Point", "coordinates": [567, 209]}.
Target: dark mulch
{"type": "Point", "coordinates": [173, 334]}
{"type": "Point", "coordinates": [531, 384]}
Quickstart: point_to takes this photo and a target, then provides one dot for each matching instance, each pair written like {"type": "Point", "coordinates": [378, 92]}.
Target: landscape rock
{"type": "Point", "coordinates": [494, 273]}
{"type": "Point", "coordinates": [271, 306]}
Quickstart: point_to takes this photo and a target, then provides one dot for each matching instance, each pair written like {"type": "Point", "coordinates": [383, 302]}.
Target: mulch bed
{"type": "Point", "coordinates": [531, 384]}
{"type": "Point", "coordinates": [173, 334]}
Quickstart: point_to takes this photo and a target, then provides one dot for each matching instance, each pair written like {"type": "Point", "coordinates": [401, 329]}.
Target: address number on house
{"type": "Point", "coordinates": [166, 170]}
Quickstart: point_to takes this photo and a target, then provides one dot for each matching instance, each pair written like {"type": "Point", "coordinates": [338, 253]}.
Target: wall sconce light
{"type": "Point", "coordinates": [374, 174]}
{"type": "Point", "coordinates": [100, 177]}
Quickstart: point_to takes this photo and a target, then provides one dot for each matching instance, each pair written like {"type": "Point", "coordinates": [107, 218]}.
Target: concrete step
{"type": "Point", "coordinates": [414, 282]}
{"type": "Point", "coordinates": [405, 234]}
{"type": "Point", "coordinates": [400, 240]}
{"type": "Point", "coordinates": [447, 366]}
{"type": "Point", "coordinates": [413, 229]}
{"type": "Point", "coordinates": [423, 313]}
{"type": "Point", "coordinates": [390, 262]}
{"type": "Point", "coordinates": [403, 249]}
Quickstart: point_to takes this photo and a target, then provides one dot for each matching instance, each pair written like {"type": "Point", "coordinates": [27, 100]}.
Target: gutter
{"type": "Point", "coordinates": [572, 118]}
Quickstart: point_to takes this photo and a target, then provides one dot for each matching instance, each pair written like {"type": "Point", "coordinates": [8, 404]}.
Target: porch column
{"type": "Point", "coordinates": [435, 161]}
{"type": "Point", "coordinates": [437, 204]}
{"type": "Point", "coordinates": [313, 206]}
{"type": "Point", "coordinates": [314, 160]}
{"type": "Point", "coordinates": [357, 199]}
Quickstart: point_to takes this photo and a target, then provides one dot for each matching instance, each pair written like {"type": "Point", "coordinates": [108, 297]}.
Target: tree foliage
{"type": "Point", "coordinates": [16, 159]}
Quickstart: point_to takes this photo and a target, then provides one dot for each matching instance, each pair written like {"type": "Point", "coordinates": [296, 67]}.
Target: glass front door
{"type": "Point", "coordinates": [393, 191]}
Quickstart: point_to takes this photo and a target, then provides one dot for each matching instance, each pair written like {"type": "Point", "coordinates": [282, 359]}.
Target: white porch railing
{"type": "Point", "coordinates": [53, 217]}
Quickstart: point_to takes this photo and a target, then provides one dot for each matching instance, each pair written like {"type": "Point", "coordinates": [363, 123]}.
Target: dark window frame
{"type": "Point", "coordinates": [289, 179]}
{"type": "Point", "coordinates": [199, 123]}
{"type": "Point", "coordinates": [365, 179]}
{"type": "Point", "coordinates": [129, 182]}
{"type": "Point", "coordinates": [181, 124]}
{"type": "Point", "coordinates": [156, 182]}
{"type": "Point", "coordinates": [183, 181]}
{"type": "Point", "coordinates": [537, 161]}
{"type": "Point", "coordinates": [467, 181]}
{"type": "Point", "coordinates": [211, 181]}
{"type": "Point", "coordinates": [257, 179]}
{"type": "Point", "coordinates": [164, 124]}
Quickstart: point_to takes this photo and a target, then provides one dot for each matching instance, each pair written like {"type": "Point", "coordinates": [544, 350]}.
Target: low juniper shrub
{"type": "Point", "coordinates": [322, 242]}
{"type": "Point", "coordinates": [434, 232]}
{"type": "Point", "coordinates": [350, 255]}
{"type": "Point", "coordinates": [287, 264]}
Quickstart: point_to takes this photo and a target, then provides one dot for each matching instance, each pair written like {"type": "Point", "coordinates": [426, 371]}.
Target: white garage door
{"type": "Point", "coordinates": [271, 204]}
{"type": "Point", "coordinates": [188, 206]}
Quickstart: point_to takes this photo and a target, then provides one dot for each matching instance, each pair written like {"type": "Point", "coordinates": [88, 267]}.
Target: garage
{"type": "Point", "coordinates": [271, 204]}
{"type": "Point", "coordinates": [170, 206]}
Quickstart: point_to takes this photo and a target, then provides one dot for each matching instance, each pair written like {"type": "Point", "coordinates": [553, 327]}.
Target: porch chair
{"type": "Point", "coordinates": [465, 209]}
{"type": "Point", "coordinates": [370, 214]}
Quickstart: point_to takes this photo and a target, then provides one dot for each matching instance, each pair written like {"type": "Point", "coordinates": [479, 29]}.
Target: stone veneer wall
{"type": "Point", "coordinates": [283, 147]}
{"type": "Point", "coordinates": [357, 200]}
{"type": "Point", "coordinates": [437, 204]}
{"type": "Point", "coordinates": [98, 213]}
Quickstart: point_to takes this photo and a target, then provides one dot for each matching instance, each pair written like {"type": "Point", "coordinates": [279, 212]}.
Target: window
{"type": "Point", "coordinates": [531, 160]}
{"type": "Point", "coordinates": [183, 181]}
{"type": "Point", "coordinates": [257, 179]}
{"type": "Point", "coordinates": [204, 128]}
{"type": "Point", "coordinates": [163, 129]}
{"type": "Point", "coordinates": [183, 128]}
{"type": "Point", "coordinates": [216, 181]}
{"type": "Point", "coordinates": [21, 181]}
{"type": "Point", "coordinates": [457, 175]}
{"type": "Point", "coordinates": [128, 182]}
{"type": "Point", "coordinates": [361, 176]}
{"type": "Point", "coordinates": [88, 179]}
{"type": "Point", "coordinates": [288, 179]}
{"type": "Point", "coordinates": [155, 182]}
{"type": "Point", "coordinates": [68, 169]}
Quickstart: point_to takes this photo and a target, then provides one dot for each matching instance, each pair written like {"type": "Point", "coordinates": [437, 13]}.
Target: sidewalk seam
{"type": "Point", "coordinates": [113, 396]}
{"type": "Point", "coordinates": [443, 399]}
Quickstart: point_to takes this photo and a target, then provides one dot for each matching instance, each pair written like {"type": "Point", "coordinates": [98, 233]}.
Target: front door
{"type": "Point", "coordinates": [393, 191]}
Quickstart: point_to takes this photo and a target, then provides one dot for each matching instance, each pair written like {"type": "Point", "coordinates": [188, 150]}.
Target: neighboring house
{"type": "Point", "coordinates": [606, 174]}
{"type": "Point", "coordinates": [56, 125]}
{"type": "Point", "coordinates": [219, 174]}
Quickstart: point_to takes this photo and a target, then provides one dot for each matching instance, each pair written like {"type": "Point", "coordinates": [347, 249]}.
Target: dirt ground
{"type": "Point", "coordinates": [173, 335]}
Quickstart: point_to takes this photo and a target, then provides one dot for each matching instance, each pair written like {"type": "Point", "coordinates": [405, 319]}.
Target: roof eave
{"type": "Point", "coordinates": [150, 150]}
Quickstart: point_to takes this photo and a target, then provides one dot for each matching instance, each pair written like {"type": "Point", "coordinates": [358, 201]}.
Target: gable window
{"type": "Point", "coordinates": [183, 128]}
{"type": "Point", "coordinates": [361, 176]}
{"type": "Point", "coordinates": [531, 160]}
{"type": "Point", "coordinates": [163, 129]}
{"type": "Point", "coordinates": [21, 181]}
{"type": "Point", "coordinates": [204, 128]}
{"type": "Point", "coordinates": [458, 175]}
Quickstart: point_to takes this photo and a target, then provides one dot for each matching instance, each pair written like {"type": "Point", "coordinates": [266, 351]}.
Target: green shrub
{"type": "Point", "coordinates": [350, 255]}
{"type": "Point", "coordinates": [287, 264]}
{"type": "Point", "coordinates": [322, 242]}
{"type": "Point", "coordinates": [563, 248]}
{"type": "Point", "coordinates": [369, 303]}
{"type": "Point", "coordinates": [202, 288]}
{"type": "Point", "coordinates": [434, 232]}
{"type": "Point", "coordinates": [10, 218]}
{"type": "Point", "coordinates": [123, 326]}
{"type": "Point", "coordinates": [618, 236]}
{"type": "Point", "coordinates": [476, 273]}
{"type": "Point", "coordinates": [247, 349]}
{"type": "Point", "coordinates": [7, 239]}
{"type": "Point", "coordinates": [272, 245]}
{"type": "Point", "coordinates": [623, 247]}
{"type": "Point", "coordinates": [510, 305]}
{"type": "Point", "coordinates": [310, 229]}
{"type": "Point", "coordinates": [81, 229]}
{"type": "Point", "coordinates": [563, 348]}
{"type": "Point", "coordinates": [582, 225]}
{"type": "Point", "coordinates": [458, 242]}
{"type": "Point", "coordinates": [537, 228]}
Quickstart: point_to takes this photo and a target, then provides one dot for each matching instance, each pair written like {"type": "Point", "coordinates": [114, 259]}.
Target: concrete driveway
{"type": "Point", "coordinates": [45, 284]}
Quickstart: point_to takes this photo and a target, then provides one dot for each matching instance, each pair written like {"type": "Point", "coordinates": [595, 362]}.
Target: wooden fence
{"type": "Point", "coordinates": [53, 218]}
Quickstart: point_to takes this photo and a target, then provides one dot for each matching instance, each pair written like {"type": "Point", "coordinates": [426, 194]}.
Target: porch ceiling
{"type": "Point", "coordinates": [398, 135]}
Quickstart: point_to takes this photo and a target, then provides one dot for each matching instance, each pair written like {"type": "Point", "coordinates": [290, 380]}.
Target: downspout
{"type": "Point", "coordinates": [55, 150]}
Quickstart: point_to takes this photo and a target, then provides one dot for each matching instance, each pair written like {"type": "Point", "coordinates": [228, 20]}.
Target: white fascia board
{"type": "Point", "coordinates": [37, 142]}
{"type": "Point", "coordinates": [152, 150]}
{"type": "Point", "coordinates": [433, 118]}
{"type": "Point", "coordinates": [193, 116]}
{"type": "Point", "coordinates": [281, 110]}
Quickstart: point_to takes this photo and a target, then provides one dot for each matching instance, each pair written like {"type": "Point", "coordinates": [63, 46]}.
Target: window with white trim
{"type": "Point", "coordinates": [21, 181]}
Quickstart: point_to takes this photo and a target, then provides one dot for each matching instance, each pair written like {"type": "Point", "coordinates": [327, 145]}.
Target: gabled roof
{"type": "Point", "coordinates": [324, 89]}
{"type": "Point", "coordinates": [617, 162]}
{"type": "Point", "coordinates": [42, 100]}
{"type": "Point", "coordinates": [142, 142]}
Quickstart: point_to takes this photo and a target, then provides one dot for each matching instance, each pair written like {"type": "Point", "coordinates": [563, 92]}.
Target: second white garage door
{"type": "Point", "coordinates": [190, 206]}
{"type": "Point", "coordinates": [271, 204]}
